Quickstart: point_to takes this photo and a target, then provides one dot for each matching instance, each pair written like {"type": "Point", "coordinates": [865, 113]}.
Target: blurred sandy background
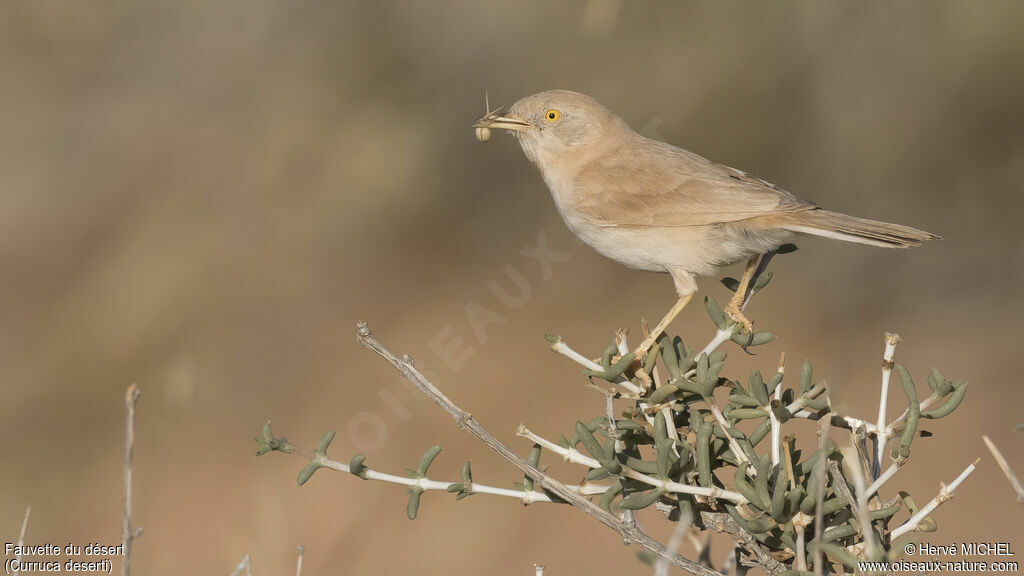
{"type": "Point", "coordinates": [203, 198]}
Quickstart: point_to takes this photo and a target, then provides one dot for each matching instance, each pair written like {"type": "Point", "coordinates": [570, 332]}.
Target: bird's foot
{"type": "Point", "coordinates": [735, 311]}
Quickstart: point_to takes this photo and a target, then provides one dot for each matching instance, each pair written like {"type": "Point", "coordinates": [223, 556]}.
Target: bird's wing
{"type": "Point", "coordinates": [650, 183]}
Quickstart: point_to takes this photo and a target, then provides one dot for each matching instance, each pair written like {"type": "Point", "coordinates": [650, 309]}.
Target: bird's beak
{"type": "Point", "coordinates": [498, 120]}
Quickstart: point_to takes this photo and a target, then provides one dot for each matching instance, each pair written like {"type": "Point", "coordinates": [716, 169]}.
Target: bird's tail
{"type": "Point", "coordinates": [854, 229]}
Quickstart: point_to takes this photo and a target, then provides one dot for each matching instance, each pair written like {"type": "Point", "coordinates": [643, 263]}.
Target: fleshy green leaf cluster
{"type": "Point", "coordinates": [674, 433]}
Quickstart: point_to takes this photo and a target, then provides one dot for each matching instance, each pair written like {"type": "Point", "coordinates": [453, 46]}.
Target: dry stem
{"type": "Point", "coordinates": [244, 565]}
{"type": "Point", "coordinates": [1014, 481]}
{"type": "Point", "coordinates": [127, 534]}
{"type": "Point", "coordinates": [21, 538]}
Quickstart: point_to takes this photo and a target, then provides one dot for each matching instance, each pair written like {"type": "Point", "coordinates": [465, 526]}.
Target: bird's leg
{"type": "Point", "coordinates": [735, 307]}
{"type": "Point", "coordinates": [761, 267]}
{"type": "Point", "coordinates": [644, 346]}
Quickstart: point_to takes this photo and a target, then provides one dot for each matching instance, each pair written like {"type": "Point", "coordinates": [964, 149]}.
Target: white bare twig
{"type": "Point", "coordinates": [570, 454]}
{"type": "Point", "coordinates": [945, 493]}
{"type": "Point", "coordinates": [564, 349]}
{"type": "Point", "coordinates": [741, 456]}
{"type": "Point", "coordinates": [560, 347]}
{"type": "Point", "coordinates": [882, 479]}
{"type": "Point", "coordinates": [1005, 466]}
{"type": "Point", "coordinates": [796, 408]}
{"type": "Point", "coordinates": [798, 404]}
{"type": "Point", "coordinates": [576, 457]}
{"type": "Point", "coordinates": [298, 561]}
{"type": "Point", "coordinates": [800, 523]}
{"type": "Point", "coordinates": [882, 433]}
{"type": "Point", "coordinates": [840, 421]}
{"type": "Point", "coordinates": [527, 497]}
{"type": "Point", "coordinates": [774, 421]}
{"type": "Point", "coordinates": [720, 337]}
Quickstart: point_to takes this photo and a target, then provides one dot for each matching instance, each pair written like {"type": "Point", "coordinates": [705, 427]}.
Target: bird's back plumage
{"type": "Point", "coordinates": [647, 183]}
{"type": "Point", "coordinates": [653, 184]}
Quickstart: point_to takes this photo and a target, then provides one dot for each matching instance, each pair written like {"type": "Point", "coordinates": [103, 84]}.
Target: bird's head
{"type": "Point", "coordinates": [554, 124]}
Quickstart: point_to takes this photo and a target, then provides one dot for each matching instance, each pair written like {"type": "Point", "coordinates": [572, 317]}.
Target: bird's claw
{"type": "Point", "coordinates": [734, 312]}
{"type": "Point", "coordinates": [746, 347]}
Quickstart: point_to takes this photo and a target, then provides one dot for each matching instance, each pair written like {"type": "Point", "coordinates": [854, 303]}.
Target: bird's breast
{"type": "Point", "coordinates": [639, 248]}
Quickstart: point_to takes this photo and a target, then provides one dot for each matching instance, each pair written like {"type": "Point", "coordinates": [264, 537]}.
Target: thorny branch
{"type": "Point", "coordinates": [785, 510]}
{"type": "Point", "coordinates": [466, 422]}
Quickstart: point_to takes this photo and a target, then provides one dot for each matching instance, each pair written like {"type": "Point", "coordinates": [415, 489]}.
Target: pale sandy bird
{"type": "Point", "coordinates": [653, 206]}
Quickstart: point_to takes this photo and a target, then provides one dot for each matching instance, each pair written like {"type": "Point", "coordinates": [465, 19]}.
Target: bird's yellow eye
{"type": "Point", "coordinates": [552, 115]}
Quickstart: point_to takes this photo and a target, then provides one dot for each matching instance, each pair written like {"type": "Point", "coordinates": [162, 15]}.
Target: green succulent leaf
{"type": "Point", "coordinates": [266, 442]}
{"type": "Point", "coordinates": [615, 370]}
{"type": "Point", "coordinates": [837, 553]}
{"type": "Point", "coordinates": [357, 466]}
{"type": "Point", "coordinates": [757, 388]}
{"type": "Point", "coordinates": [663, 394]}
{"type": "Point", "coordinates": [806, 377]}
{"type": "Point", "coordinates": [586, 437]}
{"type": "Point", "coordinates": [755, 339]}
{"type": "Point", "coordinates": [938, 383]}
{"type": "Point", "coordinates": [641, 500]}
{"type": "Point", "coordinates": [414, 501]}
{"type": "Point", "coordinates": [307, 472]}
{"type": "Point", "coordinates": [614, 489]}
{"type": "Point", "coordinates": [716, 313]}
{"type": "Point", "coordinates": [325, 442]}
{"type": "Point", "coordinates": [427, 460]}
{"type": "Point", "coordinates": [762, 281]}
{"type": "Point", "coordinates": [959, 390]}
